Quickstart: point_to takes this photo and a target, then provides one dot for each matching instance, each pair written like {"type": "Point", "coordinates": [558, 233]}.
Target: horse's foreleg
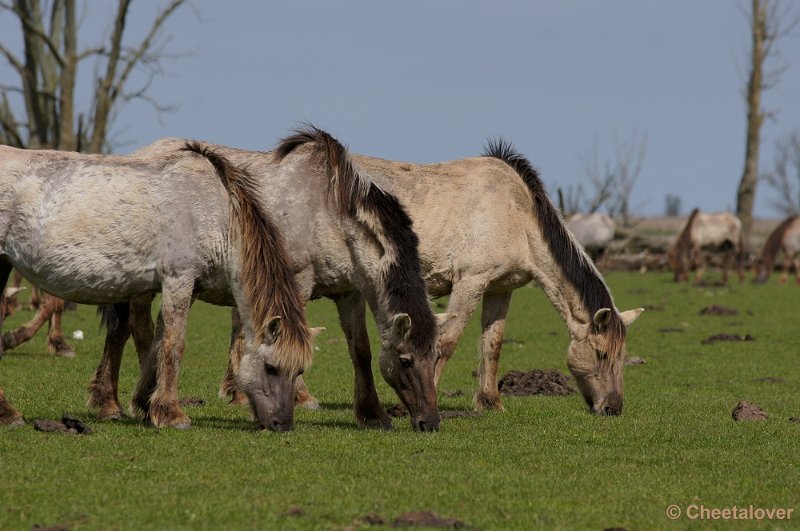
{"type": "Point", "coordinates": [103, 386]}
{"type": "Point", "coordinates": [55, 335]}
{"type": "Point", "coordinates": [797, 269]}
{"type": "Point", "coordinates": [463, 301]}
{"type": "Point", "coordinates": [367, 408]}
{"type": "Point", "coordinates": [140, 402]}
{"type": "Point", "coordinates": [699, 265]}
{"type": "Point", "coordinates": [787, 263]}
{"type": "Point", "coordinates": [726, 264]}
{"type": "Point", "coordinates": [176, 300]}
{"type": "Point", "coordinates": [493, 325]}
{"type": "Point", "coordinates": [228, 385]}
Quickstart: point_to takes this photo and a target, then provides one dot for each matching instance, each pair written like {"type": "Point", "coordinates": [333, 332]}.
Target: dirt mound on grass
{"type": "Point", "coordinates": [536, 382]}
{"type": "Point", "coordinates": [716, 309]}
{"type": "Point", "coordinates": [746, 411]}
{"type": "Point", "coordinates": [191, 401]}
{"type": "Point", "coordinates": [68, 424]}
{"type": "Point", "coordinates": [727, 337]}
{"type": "Point", "coordinates": [427, 519]}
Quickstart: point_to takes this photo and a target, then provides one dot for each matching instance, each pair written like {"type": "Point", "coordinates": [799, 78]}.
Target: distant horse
{"type": "Point", "coordinates": [785, 238]}
{"type": "Point", "coordinates": [351, 241]}
{"type": "Point", "coordinates": [104, 229]}
{"type": "Point", "coordinates": [702, 233]}
{"type": "Point", "coordinates": [595, 231]}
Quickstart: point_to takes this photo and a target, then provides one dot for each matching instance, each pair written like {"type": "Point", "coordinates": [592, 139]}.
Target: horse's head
{"type": "Point", "coordinates": [595, 359]}
{"type": "Point", "coordinates": [268, 382]}
{"type": "Point", "coordinates": [409, 369]}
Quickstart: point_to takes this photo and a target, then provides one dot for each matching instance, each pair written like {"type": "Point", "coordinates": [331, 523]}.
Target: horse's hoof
{"type": "Point", "coordinates": [65, 352]}
{"type": "Point", "coordinates": [111, 415]}
{"type": "Point", "coordinates": [312, 404]}
{"type": "Point", "coordinates": [379, 423]}
{"type": "Point", "coordinates": [488, 403]}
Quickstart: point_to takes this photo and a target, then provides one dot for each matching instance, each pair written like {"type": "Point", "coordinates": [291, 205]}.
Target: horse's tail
{"type": "Point", "coordinates": [769, 253]}
{"type": "Point", "coordinates": [575, 264]}
{"type": "Point", "coordinates": [357, 197]}
{"type": "Point", "coordinates": [269, 284]}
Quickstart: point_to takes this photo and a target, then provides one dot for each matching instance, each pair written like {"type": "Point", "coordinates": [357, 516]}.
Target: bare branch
{"type": "Point", "coordinates": [12, 60]}
{"type": "Point", "coordinates": [33, 27]}
{"type": "Point", "coordinates": [146, 44]}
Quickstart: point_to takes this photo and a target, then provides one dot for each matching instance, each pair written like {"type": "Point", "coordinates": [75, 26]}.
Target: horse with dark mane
{"type": "Point", "coordinates": [702, 234]}
{"type": "Point", "coordinates": [101, 229]}
{"type": "Point", "coordinates": [509, 235]}
{"type": "Point", "coordinates": [786, 239]}
{"type": "Point", "coordinates": [349, 240]}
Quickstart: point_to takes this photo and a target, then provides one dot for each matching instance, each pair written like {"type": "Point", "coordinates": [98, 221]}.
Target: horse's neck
{"type": "Point", "coordinates": [562, 293]}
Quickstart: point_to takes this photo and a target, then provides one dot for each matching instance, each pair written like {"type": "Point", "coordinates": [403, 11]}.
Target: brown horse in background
{"type": "Point", "coordinates": [704, 233]}
{"type": "Point", "coordinates": [785, 238]}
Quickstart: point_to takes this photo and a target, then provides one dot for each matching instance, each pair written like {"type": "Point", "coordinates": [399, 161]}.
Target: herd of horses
{"type": "Point", "coordinates": [265, 232]}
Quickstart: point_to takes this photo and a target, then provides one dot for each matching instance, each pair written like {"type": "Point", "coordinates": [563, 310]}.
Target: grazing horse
{"type": "Point", "coordinates": [106, 229]}
{"type": "Point", "coordinates": [595, 231]}
{"type": "Point", "coordinates": [506, 233]}
{"type": "Point", "coordinates": [786, 238]}
{"type": "Point", "coordinates": [704, 233]}
{"type": "Point", "coordinates": [351, 241]}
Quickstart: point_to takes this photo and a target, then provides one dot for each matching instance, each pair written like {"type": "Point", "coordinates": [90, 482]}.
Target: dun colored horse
{"type": "Point", "coordinates": [595, 231]}
{"type": "Point", "coordinates": [103, 229]}
{"type": "Point", "coordinates": [785, 238]}
{"type": "Point", "coordinates": [704, 233]}
{"type": "Point", "coordinates": [349, 240]}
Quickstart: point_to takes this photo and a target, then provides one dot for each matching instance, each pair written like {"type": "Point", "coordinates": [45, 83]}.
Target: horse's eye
{"type": "Point", "coordinates": [272, 370]}
{"type": "Point", "coordinates": [406, 361]}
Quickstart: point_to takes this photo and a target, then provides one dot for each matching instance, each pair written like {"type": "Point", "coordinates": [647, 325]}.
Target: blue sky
{"type": "Point", "coordinates": [426, 81]}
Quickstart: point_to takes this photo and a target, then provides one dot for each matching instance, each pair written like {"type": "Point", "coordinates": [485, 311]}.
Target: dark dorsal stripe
{"type": "Point", "coordinates": [352, 192]}
{"type": "Point", "coordinates": [572, 260]}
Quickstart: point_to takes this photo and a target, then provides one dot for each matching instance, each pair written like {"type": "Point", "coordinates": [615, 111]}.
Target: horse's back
{"type": "Point", "coordinates": [593, 230]}
{"type": "Point", "coordinates": [85, 226]}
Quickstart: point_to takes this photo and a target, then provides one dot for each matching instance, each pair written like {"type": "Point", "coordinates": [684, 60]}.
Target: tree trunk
{"type": "Point", "coordinates": [745, 198]}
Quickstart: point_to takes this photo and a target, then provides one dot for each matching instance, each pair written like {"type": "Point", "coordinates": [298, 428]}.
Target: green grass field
{"type": "Point", "coordinates": [544, 463]}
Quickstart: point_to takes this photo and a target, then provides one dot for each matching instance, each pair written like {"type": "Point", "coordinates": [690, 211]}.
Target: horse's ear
{"type": "Point", "coordinates": [629, 316]}
{"type": "Point", "coordinates": [602, 317]}
{"type": "Point", "coordinates": [401, 324]}
{"type": "Point", "coordinates": [11, 291]}
{"type": "Point", "coordinates": [274, 329]}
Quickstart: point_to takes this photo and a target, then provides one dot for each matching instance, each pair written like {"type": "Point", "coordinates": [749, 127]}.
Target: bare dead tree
{"type": "Point", "coordinates": [784, 179]}
{"type": "Point", "coordinates": [769, 22]}
{"type": "Point", "coordinates": [612, 182]}
{"type": "Point", "coordinates": [47, 71]}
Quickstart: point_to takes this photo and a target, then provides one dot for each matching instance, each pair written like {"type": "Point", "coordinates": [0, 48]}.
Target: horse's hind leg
{"type": "Point", "coordinates": [493, 324]}
{"type": "Point", "coordinates": [787, 263]}
{"type": "Point", "coordinates": [25, 332]}
{"type": "Point", "coordinates": [5, 271]}
{"type": "Point", "coordinates": [104, 384]}
{"type": "Point", "coordinates": [55, 335]}
{"type": "Point", "coordinates": [352, 315]}
{"type": "Point", "coordinates": [176, 300]}
{"type": "Point", "coordinates": [463, 301]}
{"type": "Point", "coordinates": [8, 415]}
{"type": "Point", "coordinates": [141, 326]}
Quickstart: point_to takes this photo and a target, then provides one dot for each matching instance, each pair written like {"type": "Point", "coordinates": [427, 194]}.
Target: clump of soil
{"type": "Point", "coordinates": [535, 382]}
{"type": "Point", "coordinates": [427, 519]}
{"type": "Point", "coordinates": [716, 309]}
{"type": "Point", "coordinates": [453, 394]}
{"type": "Point", "coordinates": [670, 329]}
{"type": "Point", "coordinates": [68, 424]}
{"type": "Point", "coordinates": [295, 511]}
{"type": "Point", "coordinates": [635, 360]}
{"type": "Point", "coordinates": [191, 401]}
{"type": "Point", "coordinates": [794, 419]}
{"type": "Point", "coordinates": [746, 411]}
{"type": "Point", "coordinates": [710, 283]}
{"type": "Point", "coordinates": [397, 411]}
{"type": "Point", "coordinates": [727, 337]}
{"type": "Point", "coordinates": [769, 379]}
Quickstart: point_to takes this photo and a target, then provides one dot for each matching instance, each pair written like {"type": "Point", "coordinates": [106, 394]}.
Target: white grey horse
{"type": "Point", "coordinates": [595, 232]}
{"type": "Point", "coordinates": [106, 229]}
{"type": "Point", "coordinates": [348, 240]}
